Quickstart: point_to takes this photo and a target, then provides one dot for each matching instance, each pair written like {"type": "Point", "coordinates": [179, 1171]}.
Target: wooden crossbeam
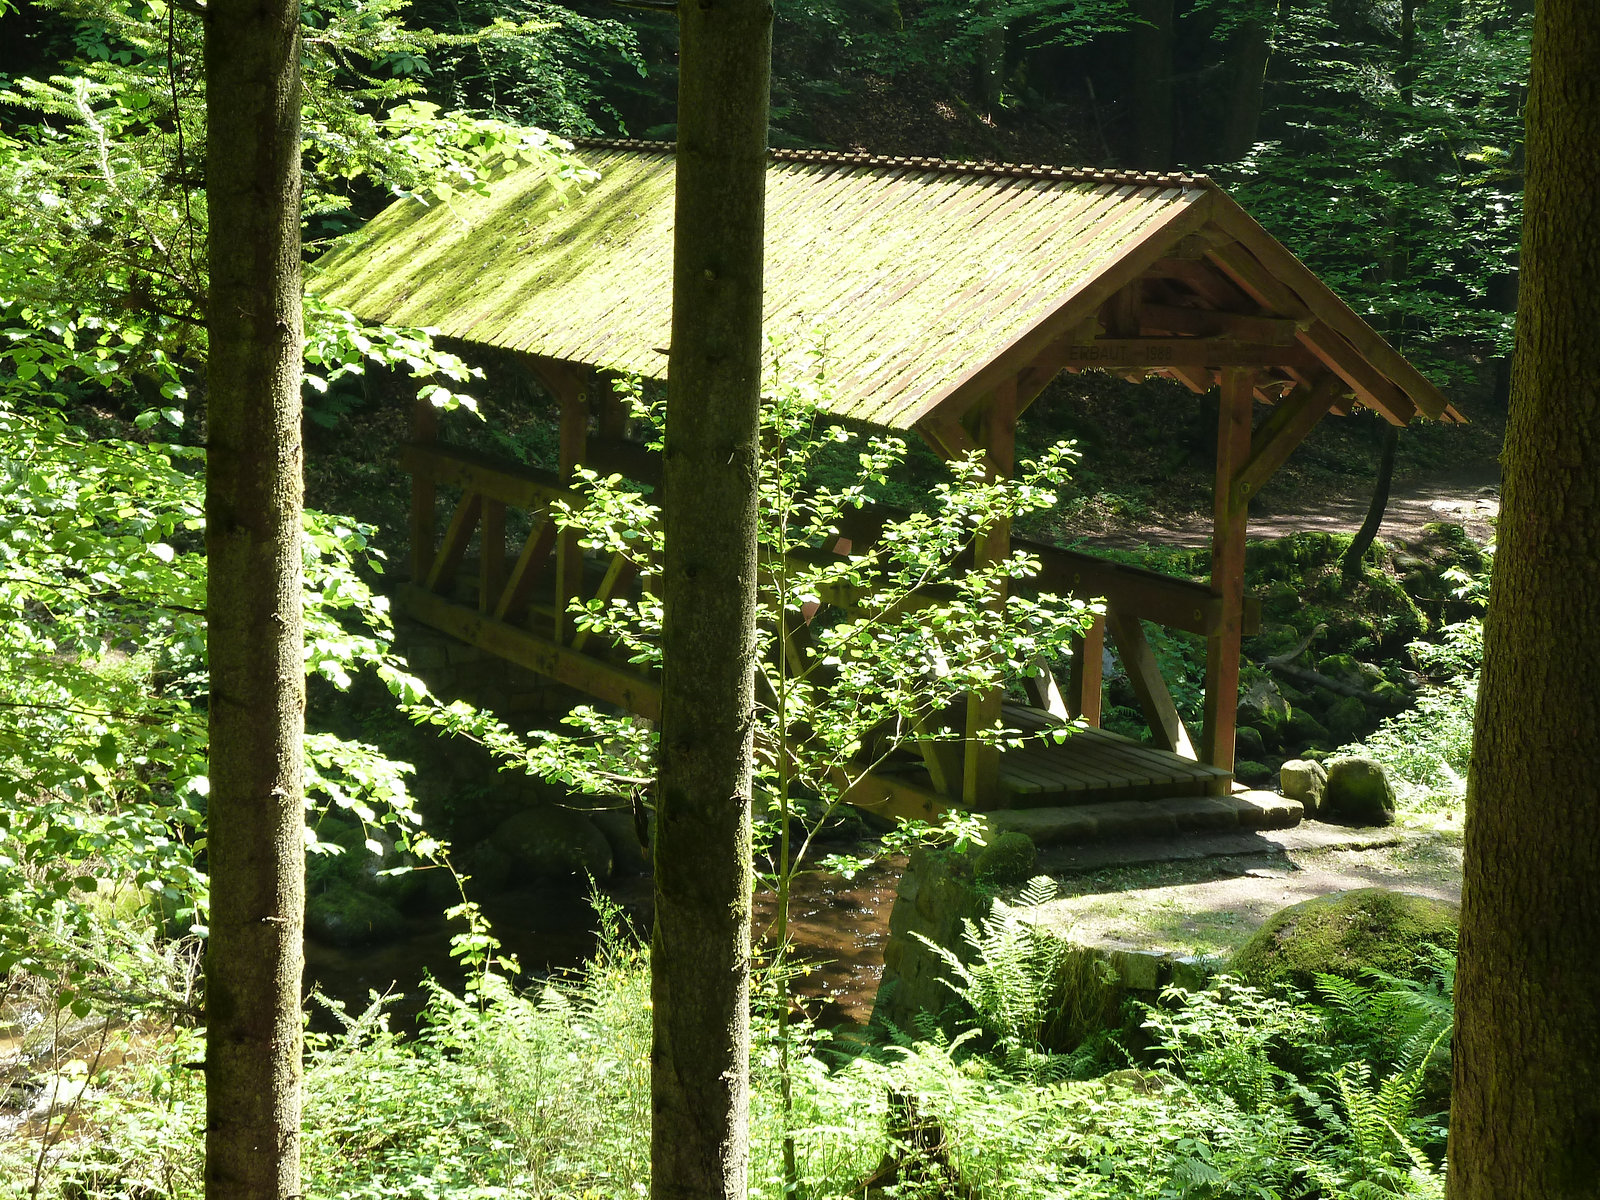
{"type": "Point", "coordinates": [1044, 692]}
{"type": "Point", "coordinates": [1154, 353]}
{"type": "Point", "coordinates": [610, 682]}
{"type": "Point", "coordinates": [1210, 322]}
{"type": "Point", "coordinates": [620, 572]}
{"type": "Point", "coordinates": [535, 553]}
{"type": "Point", "coordinates": [1368, 344]}
{"type": "Point", "coordinates": [512, 485]}
{"type": "Point", "coordinates": [454, 546]}
{"type": "Point", "coordinates": [1260, 284]}
{"type": "Point", "coordinates": [1374, 389]}
{"type": "Point", "coordinates": [1353, 363]}
{"type": "Point", "coordinates": [1155, 699]}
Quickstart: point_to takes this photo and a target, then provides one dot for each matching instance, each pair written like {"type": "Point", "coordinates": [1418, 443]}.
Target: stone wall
{"type": "Point", "coordinates": [938, 892]}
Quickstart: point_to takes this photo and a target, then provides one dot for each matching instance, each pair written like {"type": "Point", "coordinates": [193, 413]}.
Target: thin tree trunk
{"type": "Point", "coordinates": [255, 823]}
{"type": "Point", "coordinates": [700, 956]}
{"type": "Point", "coordinates": [1351, 567]}
{"type": "Point", "coordinates": [1526, 1105]}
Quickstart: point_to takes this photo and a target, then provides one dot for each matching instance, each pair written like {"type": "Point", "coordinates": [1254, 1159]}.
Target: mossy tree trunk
{"type": "Point", "coordinates": [1526, 1105]}
{"type": "Point", "coordinates": [700, 958]}
{"type": "Point", "coordinates": [254, 849]}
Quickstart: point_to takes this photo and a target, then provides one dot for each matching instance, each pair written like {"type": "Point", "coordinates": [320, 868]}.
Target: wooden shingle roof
{"type": "Point", "coordinates": [929, 279]}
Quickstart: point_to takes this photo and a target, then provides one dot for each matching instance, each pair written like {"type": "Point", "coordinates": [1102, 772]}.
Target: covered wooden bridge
{"type": "Point", "coordinates": [953, 293]}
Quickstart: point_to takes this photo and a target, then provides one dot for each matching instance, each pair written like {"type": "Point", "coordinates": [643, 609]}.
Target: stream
{"type": "Point", "coordinates": [837, 927]}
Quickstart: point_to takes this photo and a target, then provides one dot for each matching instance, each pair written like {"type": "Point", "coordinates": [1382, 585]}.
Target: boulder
{"type": "Point", "coordinates": [1347, 934]}
{"type": "Point", "coordinates": [1264, 709]}
{"type": "Point", "coordinates": [1250, 771]}
{"type": "Point", "coordinates": [1009, 858]}
{"type": "Point", "coordinates": [340, 915]}
{"type": "Point", "coordinates": [1247, 744]}
{"type": "Point", "coordinates": [1358, 793]}
{"type": "Point", "coordinates": [1347, 716]}
{"type": "Point", "coordinates": [549, 842]}
{"type": "Point", "coordinates": [357, 865]}
{"type": "Point", "coordinates": [1304, 780]}
{"type": "Point", "coordinates": [1304, 729]}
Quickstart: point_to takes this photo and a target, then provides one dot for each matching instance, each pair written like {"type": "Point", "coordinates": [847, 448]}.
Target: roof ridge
{"type": "Point", "coordinates": [950, 166]}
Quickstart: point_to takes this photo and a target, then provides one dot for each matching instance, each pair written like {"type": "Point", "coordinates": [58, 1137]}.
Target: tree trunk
{"type": "Point", "coordinates": [1526, 1103]}
{"type": "Point", "coordinates": [1351, 567]}
{"type": "Point", "coordinates": [254, 848]}
{"type": "Point", "coordinates": [1152, 83]}
{"type": "Point", "coordinates": [701, 951]}
{"type": "Point", "coordinates": [1249, 53]}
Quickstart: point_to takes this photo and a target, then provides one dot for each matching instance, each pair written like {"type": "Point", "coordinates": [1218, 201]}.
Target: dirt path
{"type": "Point", "coordinates": [1468, 497]}
{"type": "Point", "coordinates": [1211, 905]}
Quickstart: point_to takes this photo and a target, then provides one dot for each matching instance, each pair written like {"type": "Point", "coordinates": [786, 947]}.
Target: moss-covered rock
{"type": "Point", "coordinates": [1358, 792]}
{"type": "Point", "coordinates": [1263, 708]}
{"type": "Point", "coordinates": [1247, 743]}
{"type": "Point", "coordinates": [1304, 780]}
{"type": "Point", "coordinates": [340, 915]}
{"type": "Point", "coordinates": [1303, 729]}
{"type": "Point", "coordinates": [550, 842]}
{"type": "Point", "coordinates": [1250, 771]}
{"type": "Point", "coordinates": [356, 864]}
{"type": "Point", "coordinates": [1346, 934]}
{"type": "Point", "coordinates": [1347, 716]}
{"type": "Point", "coordinates": [1010, 858]}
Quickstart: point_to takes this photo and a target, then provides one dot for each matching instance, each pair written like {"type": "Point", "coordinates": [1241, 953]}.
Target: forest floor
{"type": "Point", "coordinates": [1467, 495]}
{"type": "Point", "coordinates": [1208, 899]}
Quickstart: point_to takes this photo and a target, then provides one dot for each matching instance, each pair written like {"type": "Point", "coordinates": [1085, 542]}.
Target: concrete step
{"type": "Point", "coordinates": [1170, 817]}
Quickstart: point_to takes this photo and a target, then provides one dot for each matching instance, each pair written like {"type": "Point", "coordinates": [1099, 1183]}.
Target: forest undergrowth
{"type": "Point", "coordinates": [544, 1092]}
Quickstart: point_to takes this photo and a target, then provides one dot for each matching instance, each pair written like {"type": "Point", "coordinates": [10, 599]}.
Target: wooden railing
{"type": "Point", "coordinates": [519, 607]}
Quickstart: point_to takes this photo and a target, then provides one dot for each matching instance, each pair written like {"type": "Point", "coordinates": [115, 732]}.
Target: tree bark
{"type": "Point", "coordinates": [1376, 507]}
{"type": "Point", "coordinates": [700, 956]}
{"type": "Point", "coordinates": [255, 822]}
{"type": "Point", "coordinates": [1526, 1103]}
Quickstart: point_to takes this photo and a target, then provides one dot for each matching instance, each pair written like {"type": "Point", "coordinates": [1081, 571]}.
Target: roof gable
{"type": "Point", "coordinates": [929, 280]}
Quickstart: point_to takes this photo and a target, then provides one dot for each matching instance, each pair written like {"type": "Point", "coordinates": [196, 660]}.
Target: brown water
{"type": "Point", "coordinates": [837, 929]}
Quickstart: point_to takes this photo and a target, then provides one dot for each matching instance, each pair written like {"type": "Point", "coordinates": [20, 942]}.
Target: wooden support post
{"type": "Point", "coordinates": [981, 770]}
{"type": "Point", "coordinates": [492, 556]}
{"type": "Point", "coordinates": [1231, 513]}
{"type": "Point", "coordinates": [611, 420]}
{"type": "Point", "coordinates": [1155, 700]}
{"type": "Point", "coordinates": [424, 493]}
{"type": "Point", "coordinates": [1083, 679]}
{"type": "Point", "coordinates": [569, 554]}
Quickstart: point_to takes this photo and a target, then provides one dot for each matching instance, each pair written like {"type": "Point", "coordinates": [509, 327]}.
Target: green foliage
{"type": "Point", "coordinates": [1426, 747]}
{"type": "Point", "coordinates": [1398, 179]}
{"type": "Point", "coordinates": [546, 1094]}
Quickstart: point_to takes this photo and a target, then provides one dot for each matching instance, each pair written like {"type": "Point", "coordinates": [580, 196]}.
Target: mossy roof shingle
{"type": "Point", "coordinates": [917, 272]}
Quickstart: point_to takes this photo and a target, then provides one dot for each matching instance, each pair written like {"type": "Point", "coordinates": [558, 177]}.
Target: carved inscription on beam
{"type": "Point", "coordinates": [1211, 353]}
